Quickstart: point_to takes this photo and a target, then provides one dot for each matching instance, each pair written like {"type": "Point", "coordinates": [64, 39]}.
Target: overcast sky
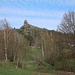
{"type": "Point", "coordinates": [42, 13]}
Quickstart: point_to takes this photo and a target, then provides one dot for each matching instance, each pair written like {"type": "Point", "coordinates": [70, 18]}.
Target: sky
{"type": "Point", "coordinates": [41, 13]}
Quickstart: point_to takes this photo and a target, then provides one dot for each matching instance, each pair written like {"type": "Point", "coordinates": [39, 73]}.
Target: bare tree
{"type": "Point", "coordinates": [67, 26]}
{"type": "Point", "coordinates": [6, 39]}
{"type": "Point", "coordinates": [22, 47]}
{"type": "Point", "coordinates": [68, 23]}
{"type": "Point", "coordinates": [13, 45]}
{"type": "Point", "coordinates": [6, 34]}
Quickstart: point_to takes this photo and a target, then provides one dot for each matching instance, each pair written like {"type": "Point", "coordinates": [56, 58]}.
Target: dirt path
{"type": "Point", "coordinates": [54, 73]}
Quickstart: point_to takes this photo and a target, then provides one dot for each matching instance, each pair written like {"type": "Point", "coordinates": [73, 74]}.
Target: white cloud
{"type": "Point", "coordinates": [49, 18]}
{"type": "Point", "coordinates": [58, 2]}
{"type": "Point", "coordinates": [43, 23]}
{"type": "Point", "coordinates": [54, 2]}
{"type": "Point", "coordinates": [32, 13]}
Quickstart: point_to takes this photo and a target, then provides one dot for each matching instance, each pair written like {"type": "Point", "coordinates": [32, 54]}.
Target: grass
{"type": "Point", "coordinates": [9, 69]}
{"type": "Point", "coordinates": [36, 52]}
{"type": "Point", "coordinates": [13, 71]}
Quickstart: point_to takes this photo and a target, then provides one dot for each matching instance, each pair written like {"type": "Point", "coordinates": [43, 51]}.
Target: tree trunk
{"type": "Point", "coordinates": [42, 52]}
{"type": "Point", "coordinates": [5, 47]}
{"type": "Point", "coordinates": [17, 64]}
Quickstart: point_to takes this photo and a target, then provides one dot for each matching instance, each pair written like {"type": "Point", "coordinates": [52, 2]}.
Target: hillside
{"type": "Point", "coordinates": [33, 33]}
{"type": "Point", "coordinates": [36, 49]}
{"type": "Point", "coordinates": [49, 45]}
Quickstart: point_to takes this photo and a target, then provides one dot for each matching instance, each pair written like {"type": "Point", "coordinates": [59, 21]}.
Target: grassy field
{"type": "Point", "coordinates": [13, 71]}
{"type": "Point", "coordinates": [30, 68]}
{"type": "Point", "coordinates": [9, 69]}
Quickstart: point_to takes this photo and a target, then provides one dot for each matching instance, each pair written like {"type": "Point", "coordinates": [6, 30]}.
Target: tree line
{"type": "Point", "coordinates": [13, 45]}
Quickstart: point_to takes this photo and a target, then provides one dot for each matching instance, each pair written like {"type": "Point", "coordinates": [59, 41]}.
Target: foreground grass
{"type": "Point", "coordinates": [9, 69]}
{"type": "Point", "coordinates": [13, 71]}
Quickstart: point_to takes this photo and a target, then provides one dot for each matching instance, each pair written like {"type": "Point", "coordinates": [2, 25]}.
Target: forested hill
{"type": "Point", "coordinates": [34, 34]}
{"type": "Point", "coordinates": [43, 47]}
{"type": "Point", "coordinates": [55, 47]}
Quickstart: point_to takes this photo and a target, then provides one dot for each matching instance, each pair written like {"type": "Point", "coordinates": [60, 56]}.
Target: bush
{"type": "Point", "coordinates": [71, 65]}
{"type": "Point", "coordinates": [58, 65]}
{"type": "Point", "coordinates": [67, 65]}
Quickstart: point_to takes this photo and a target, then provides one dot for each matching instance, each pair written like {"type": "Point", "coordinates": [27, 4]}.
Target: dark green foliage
{"type": "Point", "coordinates": [67, 65]}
